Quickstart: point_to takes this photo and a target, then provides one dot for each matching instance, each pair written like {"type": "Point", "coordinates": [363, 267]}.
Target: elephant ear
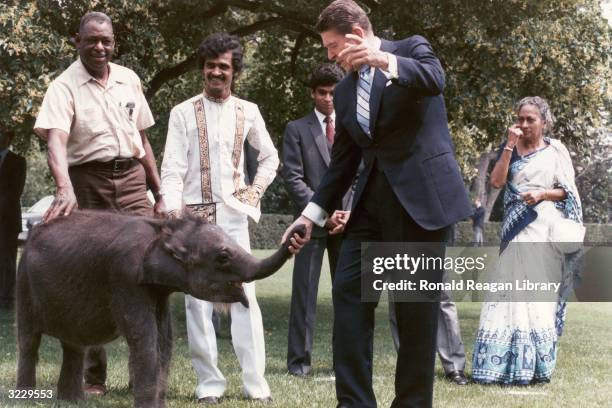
{"type": "Point", "coordinates": [174, 246]}
{"type": "Point", "coordinates": [160, 269]}
{"type": "Point", "coordinates": [174, 236]}
{"type": "Point", "coordinates": [168, 232]}
{"type": "Point", "coordinates": [166, 259]}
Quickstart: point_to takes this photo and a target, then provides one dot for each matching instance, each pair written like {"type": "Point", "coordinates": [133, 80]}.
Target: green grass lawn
{"type": "Point", "coordinates": [582, 378]}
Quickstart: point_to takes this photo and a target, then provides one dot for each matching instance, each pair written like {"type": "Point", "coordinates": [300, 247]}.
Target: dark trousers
{"type": "Point", "coordinates": [8, 259]}
{"type": "Point", "coordinates": [380, 217]}
{"type": "Point", "coordinates": [448, 344]}
{"type": "Point", "coordinates": [99, 187]}
{"type": "Point", "coordinates": [305, 287]}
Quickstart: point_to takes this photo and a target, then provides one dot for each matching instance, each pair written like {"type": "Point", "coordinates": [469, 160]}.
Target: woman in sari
{"type": "Point", "coordinates": [516, 342]}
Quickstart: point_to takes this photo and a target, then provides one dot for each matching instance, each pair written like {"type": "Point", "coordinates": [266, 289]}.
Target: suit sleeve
{"type": "Point", "coordinates": [21, 177]}
{"type": "Point", "coordinates": [345, 159]}
{"type": "Point", "coordinates": [293, 167]}
{"type": "Point", "coordinates": [418, 67]}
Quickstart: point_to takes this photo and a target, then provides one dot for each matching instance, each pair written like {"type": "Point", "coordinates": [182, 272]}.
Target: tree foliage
{"type": "Point", "coordinates": [494, 52]}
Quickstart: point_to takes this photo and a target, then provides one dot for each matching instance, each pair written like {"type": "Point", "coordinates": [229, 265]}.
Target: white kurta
{"type": "Point", "coordinates": [183, 155]}
{"type": "Point", "coordinates": [207, 168]}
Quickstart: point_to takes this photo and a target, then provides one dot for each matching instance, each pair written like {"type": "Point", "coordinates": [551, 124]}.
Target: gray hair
{"type": "Point", "coordinates": [544, 109]}
{"type": "Point", "coordinates": [96, 16]}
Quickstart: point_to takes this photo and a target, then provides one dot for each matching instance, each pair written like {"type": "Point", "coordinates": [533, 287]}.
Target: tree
{"type": "Point", "coordinates": [494, 52]}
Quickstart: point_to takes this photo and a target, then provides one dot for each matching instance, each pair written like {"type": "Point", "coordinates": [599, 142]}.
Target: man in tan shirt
{"type": "Point", "coordinates": [94, 117]}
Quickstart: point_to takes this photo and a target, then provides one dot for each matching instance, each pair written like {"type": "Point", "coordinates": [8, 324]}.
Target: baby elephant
{"type": "Point", "coordinates": [93, 276]}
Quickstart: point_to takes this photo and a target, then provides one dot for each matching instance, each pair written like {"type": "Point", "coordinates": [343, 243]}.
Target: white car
{"type": "Point", "coordinates": [34, 215]}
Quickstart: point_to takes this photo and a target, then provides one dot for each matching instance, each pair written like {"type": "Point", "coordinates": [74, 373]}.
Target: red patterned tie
{"type": "Point", "coordinates": [329, 129]}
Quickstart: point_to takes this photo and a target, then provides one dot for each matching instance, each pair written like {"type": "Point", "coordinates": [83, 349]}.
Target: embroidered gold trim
{"type": "Point", "coordinates": [204, 152]}
{"type": "Point", "coordinates": [217, 100]}
{"type": "Point", "coordinates": [259, 182]}
{"type": "Point", "coordinates": [248, 195]}
{"type": "Point", "coordinates": [208, 212]}
{"type": "Point", "coordinates": [238, 143]}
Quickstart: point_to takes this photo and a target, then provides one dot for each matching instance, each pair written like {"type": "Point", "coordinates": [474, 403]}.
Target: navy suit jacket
{"type": "Point", "coordinates": [410, 140]}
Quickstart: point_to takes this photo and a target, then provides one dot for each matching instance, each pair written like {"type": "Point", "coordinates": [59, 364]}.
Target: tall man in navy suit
{"type": "Point", "coordinates": [12, 180]}
{"type": "Point", "coordinates": [306, 154]}
{"type": "Point", "coordinates": [390, 112]}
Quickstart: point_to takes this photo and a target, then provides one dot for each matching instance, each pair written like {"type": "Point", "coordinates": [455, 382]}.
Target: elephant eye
{"type": "Point", "coordinates": [223, 258]}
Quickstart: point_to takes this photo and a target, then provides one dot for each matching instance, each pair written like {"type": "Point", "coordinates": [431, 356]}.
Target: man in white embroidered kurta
{"type": "Point", "coordinates": [204, 169]}
{"type": "Point", "coordinates": [182, 169]}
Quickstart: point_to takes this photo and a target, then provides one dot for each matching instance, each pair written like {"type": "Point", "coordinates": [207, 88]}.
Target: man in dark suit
{"type": "Point", "coordinates": [390, 112]}
{"type": "Point", "coordinates": [478, 220]}
{"type": "Point", "coordinates": [12, 180]}
{"type": "Point", "coordinates": [306, 153]}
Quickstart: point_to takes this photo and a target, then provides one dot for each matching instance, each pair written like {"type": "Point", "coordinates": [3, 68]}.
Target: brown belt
{"type": "Point", "coordinates": [114, 165]}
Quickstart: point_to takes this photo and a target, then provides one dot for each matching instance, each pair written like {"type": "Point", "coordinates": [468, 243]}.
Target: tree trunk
{"type": "Point", "coordinates": [480, 187]}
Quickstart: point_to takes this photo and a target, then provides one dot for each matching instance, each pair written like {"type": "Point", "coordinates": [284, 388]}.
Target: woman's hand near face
{"type": "Point", "coordinates": [514, 134]}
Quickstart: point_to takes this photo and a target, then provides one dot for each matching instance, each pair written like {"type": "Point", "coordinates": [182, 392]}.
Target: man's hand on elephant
{"type": "Point", "coordinates": [296, 242]}
{"type": "Point", "coordinates": [159, 209]}
{"type": "Point", "coordinates": [65, 201]}
{"type": "Point", "coordinates": [340, 219]}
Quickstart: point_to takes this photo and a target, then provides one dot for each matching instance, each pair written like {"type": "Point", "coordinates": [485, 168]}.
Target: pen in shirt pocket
{"type": "Point", "coordinates": [129, 106]}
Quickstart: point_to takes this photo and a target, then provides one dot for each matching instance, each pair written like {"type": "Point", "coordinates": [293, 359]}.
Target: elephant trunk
{"type": "Point", "coordinates": [268, 266]}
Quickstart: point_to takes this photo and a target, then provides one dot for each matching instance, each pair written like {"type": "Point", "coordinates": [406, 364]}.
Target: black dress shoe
{"type": "Point", "coordinates": [458, 377]}
{"type": "Point", "coordinates": [297, 373]}
{"type": "Point", "coordinates": [209, 401]}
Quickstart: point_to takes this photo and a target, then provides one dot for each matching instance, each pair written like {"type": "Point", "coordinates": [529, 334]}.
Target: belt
{"type": "Point", "coordinates": [114, 165]}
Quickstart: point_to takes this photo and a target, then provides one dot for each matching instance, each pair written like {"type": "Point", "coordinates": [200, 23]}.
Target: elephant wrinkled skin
{"type": "Point", "coordinates": [93, 276]}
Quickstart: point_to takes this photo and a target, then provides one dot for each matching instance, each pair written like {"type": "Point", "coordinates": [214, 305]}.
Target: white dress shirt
{"type": "Point", "coordinates": [181, 170]}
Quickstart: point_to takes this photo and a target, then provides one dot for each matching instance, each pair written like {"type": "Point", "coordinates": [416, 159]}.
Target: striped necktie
{"type": "Point", "coordinates": [363, 99]}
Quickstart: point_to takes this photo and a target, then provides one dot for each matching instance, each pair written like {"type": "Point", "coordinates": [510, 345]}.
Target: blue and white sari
{"type": "Point", "coordinates": [516, 342]}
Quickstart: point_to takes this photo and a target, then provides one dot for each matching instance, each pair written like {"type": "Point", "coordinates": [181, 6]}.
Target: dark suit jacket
{"type": "Point", "coordinates": [12, 180]}
{"type": "Point", "coordinates": [410, 139]}
{"type": "Point", "coordinates": [305, 157]}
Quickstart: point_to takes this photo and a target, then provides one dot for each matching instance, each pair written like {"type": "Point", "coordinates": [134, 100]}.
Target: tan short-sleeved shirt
{"type": "Point", "coordinates": [103, 123]}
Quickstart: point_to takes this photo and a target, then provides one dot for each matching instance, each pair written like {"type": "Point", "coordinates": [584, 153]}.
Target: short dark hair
{"type": "Point", "coordinates": [342, 15]}
{"type": "Point", "coordinates": [96, 16]}
{"type": "Point", "coordinates": [220, 43]}
{"type": "Point", "coordinates": [325, 75]}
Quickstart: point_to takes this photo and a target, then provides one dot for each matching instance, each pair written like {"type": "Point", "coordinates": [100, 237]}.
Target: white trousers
{"type": "Point", "coordinates": [246, 328]}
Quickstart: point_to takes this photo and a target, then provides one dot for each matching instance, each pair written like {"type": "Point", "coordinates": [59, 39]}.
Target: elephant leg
{"type": "Point", "coordinates": [144, 364]}
{"type": "Point", "coordinates": [70, 384]}
{"type": "Point", "coordinates": [164, 342]}
{"type": "Point", "coordinates": [28, 337]}
{"type": "Point", "coordinates": [28, 357]}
